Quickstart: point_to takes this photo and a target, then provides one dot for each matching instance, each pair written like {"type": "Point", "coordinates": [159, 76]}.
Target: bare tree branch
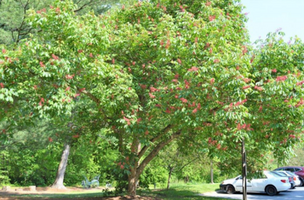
{"type": "Point", "coordinates": [84, 5]}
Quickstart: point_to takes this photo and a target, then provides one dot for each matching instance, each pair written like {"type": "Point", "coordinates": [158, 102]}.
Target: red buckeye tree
{"type": "Point", "coordinates": [162, 71]}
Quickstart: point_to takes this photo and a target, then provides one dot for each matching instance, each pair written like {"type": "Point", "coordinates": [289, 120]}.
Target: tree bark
{"type": "Point", "coordinates": [132, 179]}
{"type": "Point", "coordinates": [62, 167]}
{"type": "Point", "coordinates": [137, 167]}
{"type": "Point", "coordinates": [169, 178]}
{"type": "Point", "coordinates": [211, 171]}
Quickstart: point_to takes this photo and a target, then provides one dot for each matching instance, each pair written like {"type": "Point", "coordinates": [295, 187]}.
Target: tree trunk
{"type": "Point", "coordinates": [138, 168]}
{"type": "Point", "coordinates": [61, 168]}
{"type": "Point", "coordinates": [169, 178]}
{"type": "Point", "coordinates": [211, 171]}
{"type": "Point", "coordinates": [132, 179]}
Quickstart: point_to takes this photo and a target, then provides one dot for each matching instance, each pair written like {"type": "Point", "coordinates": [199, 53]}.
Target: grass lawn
{"type": "Point", "coordinates": [177, 191]}
{"type": "Point", "coordinates": [184, 191]}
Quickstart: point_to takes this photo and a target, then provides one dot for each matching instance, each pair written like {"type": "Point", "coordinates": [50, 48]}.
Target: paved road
{"type": "Point", "coordinates": [295, 194]}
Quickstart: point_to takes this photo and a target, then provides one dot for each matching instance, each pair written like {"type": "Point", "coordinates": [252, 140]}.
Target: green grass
{"type": "Point", "coordinates": [177, 191]}
{"type": "Point", "coordinates": [184, 191]}
{"type": "Point", "coordinates": [70, 195]}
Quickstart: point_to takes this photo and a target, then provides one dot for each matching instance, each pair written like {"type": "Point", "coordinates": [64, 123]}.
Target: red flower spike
{"type": "Point", "coordinates": [212, 81]}
{"type": "Point", "coordinates": [167, 44]}
{"type": "Point", "coordinates": [246, 87]}
{"type": "Point", "coordinates": [50, 139]}
{"type": "Point", "coordinates": [246, 80]}
{"type": "Point", "coordinates": [179, 61]}
{"type": "Point", "coordinates": [69, 77]}
{"type": "Point", "coordinates": [41, 64]}
{"type": "Point", "coordinates": [82, 89]}
{"type": "Point", "coordinates": [1, 85]}
{"type": "Point", "coordinates": [274, 70]}
{"type": "Point", "coordinates": [153, 89]}
{"type": "Point", "coordinates": [281, 78]}
{"type": "Point", "coordinates": [193, 69]}
{"type": "Point", "coordinates": [184, 100]}
{"type": "Point", "coordinates": [161, 43]}
{"type": "Point", "coordinates": [55, 57]}
{"type": "Point", "coordinates": [151, 96]}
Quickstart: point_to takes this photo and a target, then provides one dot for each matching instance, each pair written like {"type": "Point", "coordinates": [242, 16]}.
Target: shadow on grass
{"type": "Point", "coordinates": [58, 195]}
{"type": "Point", "coordinates": [173, 193]}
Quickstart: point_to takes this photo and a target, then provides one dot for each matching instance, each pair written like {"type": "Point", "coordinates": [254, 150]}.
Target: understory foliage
{"type": "Point", "coordinates": [157, 72]}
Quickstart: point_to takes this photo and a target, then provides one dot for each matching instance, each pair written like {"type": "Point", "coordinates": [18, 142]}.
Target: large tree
{"type": "Point", "coordinates": [161, 71]}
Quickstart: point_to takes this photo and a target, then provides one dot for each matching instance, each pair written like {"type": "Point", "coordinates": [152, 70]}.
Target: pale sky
{"type": "Point", "coordinates": [270, 15]}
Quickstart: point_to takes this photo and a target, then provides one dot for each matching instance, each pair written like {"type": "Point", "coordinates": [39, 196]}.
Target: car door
{"type": "Point", "coordinates": [239, 185]}
{"type": "Point", "coordinates": [258, 184]}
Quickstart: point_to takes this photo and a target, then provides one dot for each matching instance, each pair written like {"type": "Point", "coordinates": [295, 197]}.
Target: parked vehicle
{"type": "Point", "coordinates": [268, 182]}
{"type": "Point", "coordinates": [297, 170]}
{"type": "Point", "coordinates": [290, 178]}
{"type": "Point", "coordinates": [296, 178]}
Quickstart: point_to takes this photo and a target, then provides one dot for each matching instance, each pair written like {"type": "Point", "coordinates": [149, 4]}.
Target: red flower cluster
{"type": "Point", "coordinates": [281, 78]}
{"type": "Point", "coordinates": [258, 88]}
{"type": "Point", "coordinates": [300, 83]}
{"type": "Point", "coordinates": [211, 18]}
{"type": "Point", "coordinates": [193, 69]}
{"type": "Point", "coordinates": [301, 102]}
{"type": "Point", "coordinates": [244, 126]}
{"type": "Point", "coordinates": [184, 100]}
{"type": "Point", "coordinates": [240, 102]}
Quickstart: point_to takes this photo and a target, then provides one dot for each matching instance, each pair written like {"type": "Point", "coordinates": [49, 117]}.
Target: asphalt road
{"type": "Point", "coordinates": [292, 194]}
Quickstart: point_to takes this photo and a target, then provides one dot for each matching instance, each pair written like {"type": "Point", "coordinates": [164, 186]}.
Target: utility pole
{"type": "Point", "coordinates": [244, 170]}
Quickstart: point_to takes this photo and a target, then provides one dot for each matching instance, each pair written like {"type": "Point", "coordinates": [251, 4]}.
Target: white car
{"type": "Point", "coordinates": [268, 182]}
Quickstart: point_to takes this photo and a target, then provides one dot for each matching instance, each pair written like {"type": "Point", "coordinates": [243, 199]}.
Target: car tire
{"type": "Point", "coordinates": [230, 189]}
{"type": "Point", "coordinates": [271, 190]}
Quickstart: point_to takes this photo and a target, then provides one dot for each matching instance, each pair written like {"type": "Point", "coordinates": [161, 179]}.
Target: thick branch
{"type": "Point", "coordinates": [84, 5]}
{"type": "Point", "coordinates": [162, 133]}
{"type": "Point", "coordinates": [97, 101]}
{"type": "Point", "coordinates": [155, 151]}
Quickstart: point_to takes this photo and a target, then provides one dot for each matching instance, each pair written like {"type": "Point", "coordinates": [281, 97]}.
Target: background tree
{"type": "Point", "coordinates": [13, 25]}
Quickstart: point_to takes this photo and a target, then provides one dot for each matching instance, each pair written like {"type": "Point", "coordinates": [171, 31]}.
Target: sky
{"type": "Point", "coordinates": [266, 16]}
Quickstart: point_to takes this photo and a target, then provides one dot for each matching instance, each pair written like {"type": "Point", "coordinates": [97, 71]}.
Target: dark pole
{"type": "Point", "coordinates": [244, 170]}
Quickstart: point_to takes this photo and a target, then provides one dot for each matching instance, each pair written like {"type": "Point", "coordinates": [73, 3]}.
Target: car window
{"type": "Point", "coordinates": [273, 173]}
{"type": "Point", "coordinates": [297, 169]}
{"type": "Point", "coordinates": [276, 174]}
{"type": "Point", "coordinates": [291, 169]}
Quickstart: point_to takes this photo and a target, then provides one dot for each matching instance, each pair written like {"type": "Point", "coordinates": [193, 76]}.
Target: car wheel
{"type": "Point", "coordinates": [271, 190]}
{"type": "Point", "coordinates": [230, 189]}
